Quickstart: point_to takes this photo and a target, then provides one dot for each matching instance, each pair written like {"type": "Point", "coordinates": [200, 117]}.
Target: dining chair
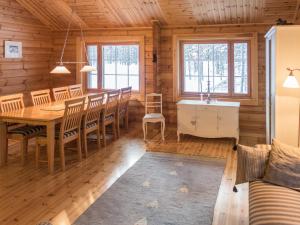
{"type": "Point", "coordinates": [125, 95]}
{"type": "Point", "coordinates": [19, 132]}
{"type": "Point", "coordinates": [109, 115]}
{"type": "Point", "coordinates": [61, 94]}
{"type": "Point", "coordinates": [91, 119]}
{"type": "Point", "coordinates": [153, 113]}
{"type": "Point", "coordinates": [75, 90]}
{"type": "Point", "coordinates": [41, 97]}
{"type": "Point", "coordinates": [69, 131]}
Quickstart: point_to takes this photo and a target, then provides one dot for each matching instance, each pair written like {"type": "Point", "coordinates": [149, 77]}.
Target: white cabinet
{"type": "Point", "coordinates": [215, 120]}
{"type": "Point", "coordinates": [282, 104]}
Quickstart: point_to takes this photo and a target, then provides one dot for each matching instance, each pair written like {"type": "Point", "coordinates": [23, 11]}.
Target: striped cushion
{"type": "Point", "coordinates": [66, 134]}
{"type": "Point", "coordinates": [90, 125]}
{"type": "Point", "coordinates": [271, 204]}
{"type": "Point", "coordinates": [27, 130]}
{"type": "Point", "coordinates": [251, 163]}
{"type": "Point", "coordinates": [264, 147]}
{"type": "Point", "coordinates": [57, 132]}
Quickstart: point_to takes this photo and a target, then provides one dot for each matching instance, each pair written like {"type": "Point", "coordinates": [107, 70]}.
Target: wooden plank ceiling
{"type": "Point", "coordinates": [137, 13]}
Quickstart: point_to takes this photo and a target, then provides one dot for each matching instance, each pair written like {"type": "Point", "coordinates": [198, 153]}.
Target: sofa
{"type": "Point", "coordinates": [269, 204]}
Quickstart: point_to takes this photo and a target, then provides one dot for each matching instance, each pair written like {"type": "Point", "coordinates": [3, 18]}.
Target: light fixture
{"type": "Point", "coordinates": [291, 81]}
{"type": "Point", "coordinates": [60, 68]}
{"type": "Point", "coordinates": [86, 68]}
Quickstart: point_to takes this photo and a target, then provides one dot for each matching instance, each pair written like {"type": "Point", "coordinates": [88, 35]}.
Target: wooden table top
{"type": "Point", "coordinates": [44, 113]}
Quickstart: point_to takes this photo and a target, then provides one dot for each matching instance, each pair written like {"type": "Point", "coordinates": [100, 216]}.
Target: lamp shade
{"type": "Point", "coordinates": [60, 70]}
{"type": "Point", "coordinates": [291, 82]}
{"type": "Point", "coordinates": [88, 68]}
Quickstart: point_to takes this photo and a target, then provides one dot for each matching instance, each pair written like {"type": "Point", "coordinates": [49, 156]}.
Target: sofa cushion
{"type": "Point", "coordinates": [251, 163]}
{"type": "Point", "coordinates": [272, 204]}
{"type": "Point", "coordinates": [284, 166]}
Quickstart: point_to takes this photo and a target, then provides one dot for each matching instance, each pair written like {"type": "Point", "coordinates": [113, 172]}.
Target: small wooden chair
{"type": "Point", "coordinates": [75, 90]}
{"type": "Point", "coordinates": [153, 113]}
{"type": "Point", "coordinates": [70, 130]}
{"type": "Point", "coordinates": [60, 94]}
{"type": "Point", "coordinates": [41, 97]}
{"type": "Point", "coordinates": [91, 120]}
{"type": "Point", "coordinates": [125, 95]}
{"type": "Point", "coordinates": [109, 115]}
{"type": "Point", "coordinates": [19, 132]}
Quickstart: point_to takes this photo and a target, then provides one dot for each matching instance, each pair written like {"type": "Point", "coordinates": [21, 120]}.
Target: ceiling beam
{"type": "Point", "coordinates": [54, 14]}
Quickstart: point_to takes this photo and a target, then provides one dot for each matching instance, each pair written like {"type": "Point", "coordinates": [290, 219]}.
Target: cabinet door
{"type": "Point", "coordinates": [207, 124]}
{"type": "Point", "coordinates": [228, 122]}
{"type": "Point", "coordinates": [186, 119]}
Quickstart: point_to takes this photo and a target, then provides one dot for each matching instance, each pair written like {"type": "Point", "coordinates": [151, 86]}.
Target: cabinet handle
{"type": "Point", "coordinates": [193, 122]}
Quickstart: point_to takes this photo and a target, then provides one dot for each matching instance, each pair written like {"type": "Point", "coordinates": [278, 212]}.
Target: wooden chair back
{"type": "Point", "coordinates": [153, 103]}
{"type": "Point", "coordinates": [72, 116]}
{"type": "Point", "coordinates": [10, 103]}
{"type": "Point", "coordinates": [94, 108]}
{"type": "Point", "coordinates": [125, 95]}
{"type": "Point", "coordinates": [41, 97]}
{"type": "Point", "coordinates": [112, 102]}
{"type": "Point", "coordinates": [61, 93]}
{"type": "Point", "coordinates": [75, 90]}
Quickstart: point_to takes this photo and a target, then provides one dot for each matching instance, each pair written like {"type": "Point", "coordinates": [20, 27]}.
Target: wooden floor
{"type": "Point", "coordinates": [29, 196]}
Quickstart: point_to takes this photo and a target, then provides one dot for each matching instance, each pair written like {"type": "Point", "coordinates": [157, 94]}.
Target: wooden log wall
{"type": "Point", "coordinates": [32, 71]}
{"type": "Point", "coordinates": [252, 118]}
{"type": "Point", "coordinates": [137, 108]}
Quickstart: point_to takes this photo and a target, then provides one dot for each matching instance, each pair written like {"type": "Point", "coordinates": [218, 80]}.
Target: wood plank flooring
{"type": "Point", "coordinates": [29, 196]}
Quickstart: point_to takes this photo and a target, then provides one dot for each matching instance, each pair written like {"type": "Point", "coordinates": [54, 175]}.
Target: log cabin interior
{"type": "Point", "coordinates": [149, 112]}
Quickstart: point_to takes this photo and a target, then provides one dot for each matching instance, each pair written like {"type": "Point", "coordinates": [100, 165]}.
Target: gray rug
{"type": "Point", "coordinates": [160, 189]}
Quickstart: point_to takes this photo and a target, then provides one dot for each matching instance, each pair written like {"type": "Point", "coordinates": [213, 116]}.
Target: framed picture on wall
{"type": "Point", "coordinates": [13, 49]}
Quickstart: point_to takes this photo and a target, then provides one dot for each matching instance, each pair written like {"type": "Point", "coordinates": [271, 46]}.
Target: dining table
{"type": "Point", "coordinates": [47, 115]}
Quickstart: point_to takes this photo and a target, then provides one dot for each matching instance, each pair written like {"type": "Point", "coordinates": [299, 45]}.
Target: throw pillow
{"type": "Point", "coordinates": [251, 163]}
{"type": "Point", "coordinates": [284, 166]}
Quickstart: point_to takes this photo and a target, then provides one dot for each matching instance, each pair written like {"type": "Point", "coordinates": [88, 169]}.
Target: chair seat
{"type": "Point", "coordinates": [57, 132]}
{"type": "Point", "coordinates": [90, 125]}
{"type": "Point", "coordinates": [153, 116]}
{"type": "Point", "coordinates": [27, 130]}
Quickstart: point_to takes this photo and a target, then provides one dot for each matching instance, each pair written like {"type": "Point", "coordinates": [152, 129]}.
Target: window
{"type": "Point", "coordinates": [220, 67]}
{"type": "Point", "coordinates": [119, 66]}
{"type": "Point", "coordinates": [92, 57]}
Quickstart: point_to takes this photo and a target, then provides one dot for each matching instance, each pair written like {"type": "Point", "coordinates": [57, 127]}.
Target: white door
{"type": "Point", "coordinates": [186, 116]}
{"type": "Point", "coordinates": [228, 122]}
{"type": "Point", "coordinates": [207, 124]}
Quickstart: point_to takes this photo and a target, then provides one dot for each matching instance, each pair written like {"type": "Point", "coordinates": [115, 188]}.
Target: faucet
{"type": "Point", "coordinates": [208, 100]}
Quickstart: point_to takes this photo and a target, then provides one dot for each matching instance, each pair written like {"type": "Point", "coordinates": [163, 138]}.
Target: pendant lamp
{"type": "Point", "coordinates": [60, 68]}
{"type": "Point", "coordinates": [86, 68]}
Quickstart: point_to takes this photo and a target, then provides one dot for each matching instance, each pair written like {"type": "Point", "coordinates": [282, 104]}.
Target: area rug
{"type": "Point", "coordinates": [160, 189]}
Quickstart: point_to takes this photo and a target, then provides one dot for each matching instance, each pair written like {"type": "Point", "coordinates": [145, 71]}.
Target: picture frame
{"type": "Point", "coordinates": [13, 49]}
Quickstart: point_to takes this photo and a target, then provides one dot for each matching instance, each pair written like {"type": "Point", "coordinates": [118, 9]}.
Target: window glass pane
{"type": "Point", "coordinates": [241, 68]}
{"type": "Point", "coordinates": [92, 53]}
{"type": "Point", "coordinates": [122, 81]}
{"type": "Point", "coordinates": [206, 64]}
{"type": "Point", "coordinates": [134, 59]}
{"type": "Point", "coordinates": [191, 84]}
{"type": "Point", "coordinates": [109, 58]}
{"type": "Point", "coordinates": [134, 82]}
{"type": "Point", "coordinates": [121, 61]}
{"type": "Point", "coordinates": [110, 82]}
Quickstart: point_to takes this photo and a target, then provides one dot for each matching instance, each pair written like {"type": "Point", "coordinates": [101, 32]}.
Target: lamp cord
{"type": "Point", "coordinates": [84, 44]}
{"type": "Point", "coordinates": [66, 39]}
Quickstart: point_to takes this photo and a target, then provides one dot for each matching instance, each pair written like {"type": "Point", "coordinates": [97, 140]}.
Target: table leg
{"type": "Point", "coordinates": [3, 143]}
{"type": "Point", "coordinates": [51, 146]}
